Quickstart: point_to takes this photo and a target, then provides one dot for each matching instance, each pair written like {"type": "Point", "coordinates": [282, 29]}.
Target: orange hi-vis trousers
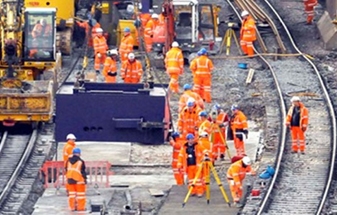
{"type": "Point", "coordinates": [239, 146]}
{"type": "Point", "coordinates": [198, 188]}
{"type": "Point", "coordinates": [236, 190]}
{"type": "Point", "coordinates": [298, 138]}
{"type": "Point", "coordinates": [310, 11]}
{"type": "Point", "coordinates": [174, 84]}
{"type": "Point", "coordinates": [219, 144]}
{"type": "Point", "coordinates": [247, 47]}
{"type": "Point", "coordinates": [99, 61]}
{"type": "Point", "coordinates": [202, 86]}
{"type": "Point", "coordinates": [177, 175]}
{"type": "Point", "coordinates": [77, 195]}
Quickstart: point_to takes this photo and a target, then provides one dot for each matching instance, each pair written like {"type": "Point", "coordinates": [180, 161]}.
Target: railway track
{"type": "Point", "coordinates": [301, 182]}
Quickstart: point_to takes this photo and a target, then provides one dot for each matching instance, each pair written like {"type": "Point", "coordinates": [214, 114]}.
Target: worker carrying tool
{"type": "Point", "coordinates": [188, 93]}
{"type": "Point", "coordinates": [236, 173]}
{"type": "Point", "coordinates": [202, 68]}
{"type": "Point", "coordinates": [110, 66]}
{"type": "Point", "coordinates": [189, 160]}
{"type": "Point", "coordinates": [77, 180]}
{"type": "Point", "coordinates": [148, 32]}
{"type": "Point", "coordinates": [297, 120]}
{"type": "Point", "coordinates": [177, 142]}
{"type": "Point", "coordinates": [174, 63]}
{"type": "Point", "coordinates": [126, 45]}
{"type": "Point", "coordinates": [239, 127]}
{"type": "Point", "coordinates": [68, 151]}
{"type": "Point", "coordinates": [90, 27]}
{"type": "Point", "coordinates": [189, 118]}
{"type": "Point", "coordinates": [131, 70]}
{"type": "Point", "coordinates": [220, 121]}
{"type": "Point", "coordinates": [247, 33]}
{"type": "Point", "coordinates": [309, 7]}
{"type": "Point", "coordinates": [204, 124]}
{"type": "Point", "coordinates": [100, 48]}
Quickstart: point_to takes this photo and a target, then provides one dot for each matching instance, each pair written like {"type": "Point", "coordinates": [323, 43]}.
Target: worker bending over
{"type": "Point", "coordinates": [202, 68]}
{"type": "Point", "coordinates": [100, 48]}
{"type": "Point", "coordinates": [131, 70]}
{"type": "Point", "coordinates": [309, 7]}
{"type": "Point", "coordinates": [235, 175]}
{"type": "Point", "coordinates": [77, 179]}
{"type": "Point", "coordinates": [68, 151]}
{"type": "Point", "coordinates": [174, 63]}
{"type": "Point", "coordinates": [110, 66]}
{"type": "Point", "coordinates": [177, 142]}
{"type": "Point", "coordinates": [188, 93]}
{"type": "Point", "coordinates": [297, 121]}
{"type": "Point", "coordinates": [148, 32]}
{"type": "Point", "coordinates": [247, 33]}
{"type": "Point", "coordinates": [189, 118]}
{"type": "Point", "coordinates": [239, 127]}
{"type": "Point", "coordinates": [126, 46]}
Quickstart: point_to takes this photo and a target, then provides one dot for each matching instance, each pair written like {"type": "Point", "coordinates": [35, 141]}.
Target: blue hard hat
{"type": "Point", "coordinates": [234, 107]}
{"type": "Point", "coordinates": [202, 51]}
{"type": "Point", "coordinates": [216, 106]}
{"type": "Point", "coordinates": [203, 113]}
{"type": "Point", "coordinates": [190, 137]}
{"type": "Point", "coordinates": [190, 104]}
{"type": "Point", "coordinates": [187, 87]}
{"type": "Point", "coordinates": [175, 134]}
{"type": "Point", "coordinates": [76, 151]}
{"type": "Point", "coordinates": [127, 30]}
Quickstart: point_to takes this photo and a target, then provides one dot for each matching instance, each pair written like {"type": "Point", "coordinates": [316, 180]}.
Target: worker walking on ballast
{"type": "Point", "coordinates": [297, 121]}
{"type": "Point", "coordinates": [309, 6]}
{"type": "Point", "coordinates": [247, 34]}
{"type": "Point", "coordinates": [131, 70]}
{"type": "Point", "coordinates": [239, 127]}
{"type": "Point", "coordinates": [177, 142]}
{"type": "Point", "coordinates": [174, 63]}
{"type": "Point", "coordinates": [68, 151]}
{"type": "Point", "coordinates": [100, 48]}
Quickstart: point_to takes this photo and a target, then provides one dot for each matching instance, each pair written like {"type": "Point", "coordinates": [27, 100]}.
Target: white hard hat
{"type": "Point", "coordinates": [246, 160]}
{"type": "Point", "coordinates": [131, 56]}
{"type": "Point", "coordinates": [244, 13]}
{"type": "Point", "coordinates": [112, 52]}
{"type": "Point", "coordinates": [99, 30]}
{"type": "Point", "coordinates": [130, 8]}
{"type": "Point", "coordinates": [175, 44]}
{"type": "Point", "coordinates": [204, 134]}
{"type": "Point", "coordinates": [154, 16]}
{"type": "Point", "coordinates": [190, 101]}
{"type": "Point", "coordinates": [71, 137]}
{"type": "Point", "coordinates": [295, 99]}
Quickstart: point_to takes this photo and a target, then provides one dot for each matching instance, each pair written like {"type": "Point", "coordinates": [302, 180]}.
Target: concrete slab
{"type": "Point", "coordinates": [162, 182]}
{"type": "Point", "coordinates": [114, 152]}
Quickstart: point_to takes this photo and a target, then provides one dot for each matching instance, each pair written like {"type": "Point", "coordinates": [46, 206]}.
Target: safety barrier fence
{"type": "Point", "coordinates": [53, 174]}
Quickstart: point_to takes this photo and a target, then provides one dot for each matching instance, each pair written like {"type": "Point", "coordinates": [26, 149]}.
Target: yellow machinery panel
{"type": "Point", "coordinates": [123, 24]}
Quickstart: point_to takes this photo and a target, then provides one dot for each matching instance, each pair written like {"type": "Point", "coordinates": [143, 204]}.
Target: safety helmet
{"type": "Point", "coordinates": [244, 13]}
{"type": "Point", "coordinates": [154, 16]}
{"type": "Point", "coordinates": [203, 134]}
{"type": "Point", "coordinates": [71, 137]}
{"type": "Point", "coordinates": [127, 30]}
{"type": "Point", "coordinates": [203, 113]}
{"type": "Point", "coordinates": [175, 134]}
{"type": "Point", "coordinates": [131, 56]}
{"type": "Point", "coordinates": [76, 151]}
{"type": "Point", "coordinates": [202, 51]}
{"type": "Point", "coordinates": [216, 106]}
{"type": "Point", "coordinates": [189, 136]}
{"type": "Point", "coordinates": [187, 87]}
{"type": "Point", "coordinates": [295, 99]}
{"type": "Point", "coordinates": [175, 44]}
{"type": "Point", "coordinates": [246, 161]}
{"type": "Point", "coordinates": [112, 52]}
{"type": "Point", "coordinates": [234, 107]}
{"type": "Point", "coordinates": [99, 30]}
{"type": "Point", "coordinates": [190, 102]}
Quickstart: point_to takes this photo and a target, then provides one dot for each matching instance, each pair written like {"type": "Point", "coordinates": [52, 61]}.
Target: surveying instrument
{"type": "Point", "coordinates": [205, 167]}
{"type": "Point", "coordinates": [230, 33]}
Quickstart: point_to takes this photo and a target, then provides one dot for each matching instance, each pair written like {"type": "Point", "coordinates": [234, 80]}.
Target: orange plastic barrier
{"type": "Point", "coordinates": [53, 173]}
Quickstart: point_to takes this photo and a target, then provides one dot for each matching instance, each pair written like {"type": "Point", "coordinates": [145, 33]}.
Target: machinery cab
{"type": "Point", "coordinates": [40, 35]}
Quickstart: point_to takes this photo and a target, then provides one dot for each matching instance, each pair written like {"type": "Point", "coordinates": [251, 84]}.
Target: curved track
{"type": "Point", "coordinates": [301, 182]}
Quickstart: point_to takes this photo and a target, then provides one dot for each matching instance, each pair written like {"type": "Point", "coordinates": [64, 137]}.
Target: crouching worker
{"type": "Point", "coordinates": [77, 179]}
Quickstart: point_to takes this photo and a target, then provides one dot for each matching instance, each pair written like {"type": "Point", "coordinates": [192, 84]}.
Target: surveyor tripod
{"type": "Point", "coordinates": [221, 136]}
{"type": "Point", "coordinates": [230, 33]}
{"type": "Point", "coordinates": [207, 165]}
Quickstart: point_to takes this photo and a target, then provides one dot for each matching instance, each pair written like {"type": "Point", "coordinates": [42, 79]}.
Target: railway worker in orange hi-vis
{"type": "Point", "coordinates": [100, 48]}
{"type": "Point", "coordinates": [188, 93]}
{"type": "Point", "coordinates": [177, 141]}
{"type": "Point", "coordinates": [309, 6]}
{"type": "Point", "coordinates": [174, 63]}
{"type": "Point", "coordinates": [42, 29]}
{"type": "Point", "coordinates": [239, 126]}
{"type": "Point", "coordinates": [148, 32]}
{"type": "Point", "coordinates": [204, 124]}
{"type": "Point", "coordinates": [77, 179]}
{"type": "Point", "coordinates": [131, 70]}
{"type": "Point", "coordinates": [202, 68]}
{"type": "Point", "coordinates": [206, 144]}
{"type": "Point", "coordinates": [297, 121]}
{"type": "Point", "coordinates": [190, 157]}
{"type": "Point", "coordinates": [110, 66]}
{"type": "Point", "coordinates": [236, 173]}
{"type": "Point", "coordinates": [188, 119]}
{"type": "Point", "coordinates": [94, 25]}
{"type": "Point", "coordinates": [126, 45]}
{"type": "Point", "coordinates": [68, 151]}
{"type": "Point", "coordinates": [247, 33]}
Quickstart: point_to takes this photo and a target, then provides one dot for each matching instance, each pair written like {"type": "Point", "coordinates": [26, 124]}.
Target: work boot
{"type": "Point", "coordinates": [222, 157]}
{"type": "Point", "coordinates": [97, 72]}
{"type": "Point", "coordinates": [238, 205]}
{"type": "Point", "coordinates": [294, 152]}
{"type": "Point", "coordinates": [302, 152]}
{"type": "Point", "coordinates": [199, 195]}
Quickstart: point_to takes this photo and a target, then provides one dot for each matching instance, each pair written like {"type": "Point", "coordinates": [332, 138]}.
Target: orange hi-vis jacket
{"type": "Point", "coordinates": [239, 122]}
{"type": "Point", "coordinates": [150, 26]}
{"type": "Point", "coordinates": [110, 65]}
{"type": "Point", "coordinates": [202, 66]}
{"type": "Point", "coordinates": [74, 172]}
{"type": "Point", "coordinates": [207, 146]}
{"type": "Point", "coordinates": [144, 18]}
{"type": "Point", "coordinates": [41, 31]}
{"type": "Point", "coordinates": [174, 61]}
{"type": "Point", "coordinates": [205, 126]}
{"type": "Point", "coordinates": [237, 173]}
{"type": "Point", "coordinates": [182, 159]}
{"type": "Point", "coordinates": [176, 144]}
{"type": "Point", "coordinates": [303, 114]}
{"type": "Point", "coordinates": [221, 119]}
{"type": "Point", "coordinates": [126, 46]}
{"type": "Point", "coordinates": [131, 72]}
{"type": "Point", "coordinates": [310, 3]}
{"type": "Point", "coordinates": [68, 151]}
{"type": "Point", "coordinates": [190, 94]}
{"type": "Point", "coordinates": [188, 120]}
{"type": "Point", "coordinates": [100, 45]}
{"type": "Point", "coordinates": [159, 33]}
{"type": "Point", "coordinates": [248, 30]}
